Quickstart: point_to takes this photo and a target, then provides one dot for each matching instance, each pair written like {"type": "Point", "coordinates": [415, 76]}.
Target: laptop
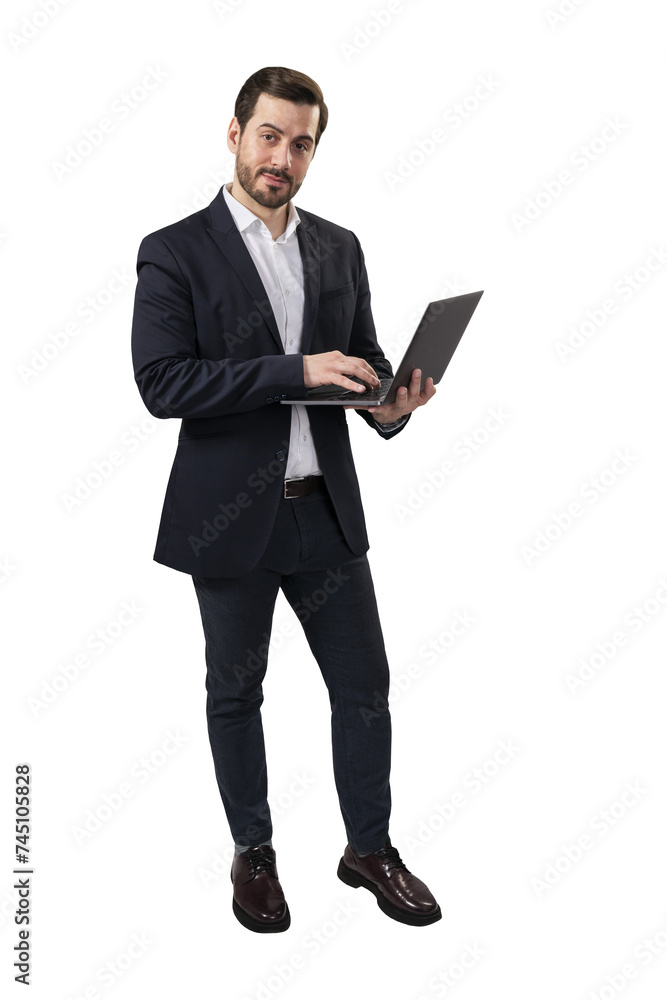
{"type": "Point", "coordinates": [431, 349]}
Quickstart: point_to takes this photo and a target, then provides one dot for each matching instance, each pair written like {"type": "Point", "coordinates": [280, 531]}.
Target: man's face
{"type": "Point", "coordinates": [274, 153]}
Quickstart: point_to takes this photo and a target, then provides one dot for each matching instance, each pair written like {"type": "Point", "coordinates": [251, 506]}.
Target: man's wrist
{"type": "Point", "coordinates": [389, 424]}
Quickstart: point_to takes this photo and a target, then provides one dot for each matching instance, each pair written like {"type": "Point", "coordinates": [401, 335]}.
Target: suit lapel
{"type": "Point", "coordinates": [223, 230]}
{"type": "Point", "coordinates": [228, 239]}
{"type": "Point", "coordinates": [309, 245]}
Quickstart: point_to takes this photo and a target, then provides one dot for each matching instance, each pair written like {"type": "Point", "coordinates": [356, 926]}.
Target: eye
{"type": "Point", "coordinates": [267, 135]}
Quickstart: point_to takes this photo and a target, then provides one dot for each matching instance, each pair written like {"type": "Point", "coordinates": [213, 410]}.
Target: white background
{"type": "Point", "coordinates": [539, 924]}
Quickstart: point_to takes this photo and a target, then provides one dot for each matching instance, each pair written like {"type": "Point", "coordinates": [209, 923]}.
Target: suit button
{"type": "Point", "coordinates": [284, 396]}
{"type": "Point", "coordinates": [268, 400]}
{"type": "Point", "coordinates": [280, 455]}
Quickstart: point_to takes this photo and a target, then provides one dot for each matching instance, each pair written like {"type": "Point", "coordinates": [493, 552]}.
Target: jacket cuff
{"type": "Point", "coordinates": [393, 426]}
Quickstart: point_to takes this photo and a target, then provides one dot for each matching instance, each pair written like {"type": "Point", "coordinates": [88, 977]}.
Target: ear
{"type": "Point", "coordinates": [233, 136]}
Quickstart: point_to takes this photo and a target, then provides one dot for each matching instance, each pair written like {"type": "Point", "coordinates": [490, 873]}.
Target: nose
{"type": "Point", "coordinates": [281, 158]}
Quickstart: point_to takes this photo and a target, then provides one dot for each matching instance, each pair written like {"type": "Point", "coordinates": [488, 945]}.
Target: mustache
{"type": "Point", "coordinates": [277, 173]}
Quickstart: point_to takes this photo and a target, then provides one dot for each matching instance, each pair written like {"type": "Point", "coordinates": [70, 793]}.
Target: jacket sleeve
{"type": "Point", "coordinates": [172, 379]}
{"type": "Point", "coordinates": [364, 344]}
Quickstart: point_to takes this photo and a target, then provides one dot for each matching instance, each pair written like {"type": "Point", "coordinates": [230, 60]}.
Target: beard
{"type": "Point", "coordinates": [268, 197]}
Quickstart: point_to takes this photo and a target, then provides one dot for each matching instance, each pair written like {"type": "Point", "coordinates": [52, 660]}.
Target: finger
{"type": "Point", "coordinates": [402, 399]}
{"type": "Point", "coordinates": [361, 369]}
{"type": "Point", "coordinates": [428, 391]}
{"type": "Point", "coordinates": [365, 367]}
{"type": "Point", "coordinates": [348, 383]}
{"type": "Point", "coordinates": [415, 383]}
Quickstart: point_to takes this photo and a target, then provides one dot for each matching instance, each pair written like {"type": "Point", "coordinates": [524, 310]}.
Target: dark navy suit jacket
{"type": "Point", "coordinates": [206, 349]}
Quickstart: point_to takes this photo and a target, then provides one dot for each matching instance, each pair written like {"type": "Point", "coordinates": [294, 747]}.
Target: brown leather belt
{"type": "Point", "coordinates": [302, 487]}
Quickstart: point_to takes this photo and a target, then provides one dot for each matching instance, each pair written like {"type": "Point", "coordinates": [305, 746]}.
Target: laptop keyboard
{"type": "Point", "coordinates": [338, 393]}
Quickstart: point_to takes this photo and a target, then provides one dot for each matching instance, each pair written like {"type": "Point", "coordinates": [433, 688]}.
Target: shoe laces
{"type": "Point", "coordinates": [260, 861]}
{"type": "Point", "coordinates": [390, 857]}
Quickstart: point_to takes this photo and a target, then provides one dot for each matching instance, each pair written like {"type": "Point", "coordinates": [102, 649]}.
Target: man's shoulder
{"type": "Point", "coordinates": [324, 225]}
{"type": "Point", "coordinates": [183, 229]}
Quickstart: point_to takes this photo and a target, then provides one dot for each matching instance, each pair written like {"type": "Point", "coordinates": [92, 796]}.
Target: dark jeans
{"type": "Point", "coordinates": [332, 593]}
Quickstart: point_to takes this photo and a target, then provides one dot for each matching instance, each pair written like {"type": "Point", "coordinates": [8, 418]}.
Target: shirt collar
{"type": "Point", "coordinates": [247, 220]}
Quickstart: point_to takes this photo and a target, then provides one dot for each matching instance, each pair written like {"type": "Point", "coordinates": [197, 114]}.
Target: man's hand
{"type": "Point", "coordinates": [333, 368]}
{"type": "Point", "coordinates": [406, 400]}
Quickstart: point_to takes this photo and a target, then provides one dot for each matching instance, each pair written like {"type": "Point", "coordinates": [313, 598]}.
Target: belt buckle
{"type": "Point", "coordinates": [290, 496]}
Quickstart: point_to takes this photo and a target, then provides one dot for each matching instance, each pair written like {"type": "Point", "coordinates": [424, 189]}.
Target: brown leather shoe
{"type": "Point", "coordinates": [400, 894]}
{"type": "Point", "coordinates": [259, 903]}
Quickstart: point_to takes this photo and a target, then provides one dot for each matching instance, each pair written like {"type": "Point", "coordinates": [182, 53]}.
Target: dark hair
{"type": "Point", "coordinates": [288, 84]}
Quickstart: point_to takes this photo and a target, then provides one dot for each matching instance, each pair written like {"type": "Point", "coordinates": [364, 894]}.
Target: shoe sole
{"type": "Point", "coordinates": [356, 881]}
{"type": "Point", "coordinates": [261, 926]}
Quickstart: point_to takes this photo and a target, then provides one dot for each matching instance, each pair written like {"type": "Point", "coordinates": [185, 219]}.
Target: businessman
{"type": "Point", "coordinates": [238, 306]}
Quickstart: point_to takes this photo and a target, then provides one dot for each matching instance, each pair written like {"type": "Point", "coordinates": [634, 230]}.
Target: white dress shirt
{"type": "Point", "coordinates": [281, 271]}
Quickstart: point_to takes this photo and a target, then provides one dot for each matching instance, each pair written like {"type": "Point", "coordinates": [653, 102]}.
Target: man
{"type": "Point", "coordinates": [238, 306]}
